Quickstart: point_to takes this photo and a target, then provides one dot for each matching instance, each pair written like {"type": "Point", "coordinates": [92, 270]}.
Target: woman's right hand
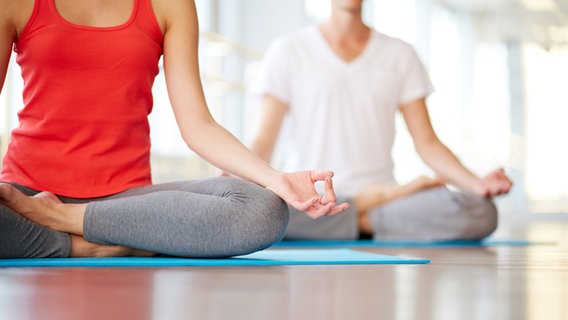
{"type": "Point", "coordinates": [298, 190]}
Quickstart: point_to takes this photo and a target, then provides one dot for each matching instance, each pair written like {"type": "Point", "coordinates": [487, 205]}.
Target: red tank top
{"type": "Point", "coordinates": [84, 128]}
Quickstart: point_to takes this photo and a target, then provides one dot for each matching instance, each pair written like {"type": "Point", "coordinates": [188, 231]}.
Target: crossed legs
{"type": "Point", "coordinates": [216, 217]}
{"type": "Point", "coordinates": [419, 210]}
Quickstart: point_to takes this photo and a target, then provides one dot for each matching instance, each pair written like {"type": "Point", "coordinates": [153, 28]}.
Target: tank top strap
{"type": "Point", "coordinates": [147, 21]}
{"type": "Point", "coordinates": [45, 13]}
{"type": "Point", "coordinates": [40, 12]}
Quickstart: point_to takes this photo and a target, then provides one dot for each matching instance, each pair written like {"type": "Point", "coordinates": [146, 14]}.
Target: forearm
{"type": "Point", "coordinates": [273, 115]}
{"type": "Point", "coordinates": [262, 148]}
{"type": "Point", "coordinates": [218, 146]}
{"type": "Point", "coordinates": [448, 167]}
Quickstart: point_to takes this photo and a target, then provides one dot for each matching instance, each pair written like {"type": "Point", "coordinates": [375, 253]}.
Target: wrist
{"type": "Point", "coordinates": [478, 187]}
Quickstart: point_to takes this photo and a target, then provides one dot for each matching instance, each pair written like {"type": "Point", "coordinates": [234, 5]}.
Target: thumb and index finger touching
{"type": "Point", "coordinates": [329, 197]}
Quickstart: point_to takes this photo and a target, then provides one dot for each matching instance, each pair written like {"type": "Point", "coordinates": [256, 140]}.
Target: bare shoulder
{"type": "Point", "coordinates": [172, 11]}
{"type": "Point", "coordinates": [15, 14]}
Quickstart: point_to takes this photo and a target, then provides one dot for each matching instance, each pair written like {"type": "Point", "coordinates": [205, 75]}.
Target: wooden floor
{"type": "Point", "coordinates": [460, 283]}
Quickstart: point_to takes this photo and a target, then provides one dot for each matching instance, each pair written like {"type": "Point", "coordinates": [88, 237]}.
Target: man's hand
{"type": "Point", "coordinates": [494, 184]}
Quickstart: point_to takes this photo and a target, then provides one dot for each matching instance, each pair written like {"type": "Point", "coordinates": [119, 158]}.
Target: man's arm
{"type": "Point", "coordinates": [438, 157]}
{"type": "Point", "coordinates": [273, 113]}
{"type": "Point", "coordinates": [206, 137]}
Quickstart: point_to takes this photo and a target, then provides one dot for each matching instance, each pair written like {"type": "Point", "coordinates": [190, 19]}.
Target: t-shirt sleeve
{"type": "Point", "coordinates": [273, 75]}
{"type": "Point", "coordinates": [416, 83]}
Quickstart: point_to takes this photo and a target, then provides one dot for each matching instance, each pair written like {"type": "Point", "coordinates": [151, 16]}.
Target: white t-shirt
{"type": "Point", "coordinates": [342, 114]}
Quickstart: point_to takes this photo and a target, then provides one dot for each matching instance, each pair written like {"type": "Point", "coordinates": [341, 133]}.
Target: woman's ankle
{"type": "Point", "coordinates": [83, 248]}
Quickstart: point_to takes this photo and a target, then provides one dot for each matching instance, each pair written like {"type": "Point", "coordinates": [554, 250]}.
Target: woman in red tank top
{"type": "Point", "coordinates": [84, 137]}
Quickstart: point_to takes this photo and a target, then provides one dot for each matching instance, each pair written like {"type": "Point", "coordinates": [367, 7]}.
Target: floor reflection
{"type": "Point", "coordinates": [519, 282]}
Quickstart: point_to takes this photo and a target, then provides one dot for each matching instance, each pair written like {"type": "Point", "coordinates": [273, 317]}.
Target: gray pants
{"type": "Point", "coordinates": [433, 214]}
{"type": "Point", "coordinates": [215, 217]}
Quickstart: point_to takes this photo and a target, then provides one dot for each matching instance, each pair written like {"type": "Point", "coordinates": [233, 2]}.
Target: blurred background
{"type": "Point", "coordinates": [500, 68]}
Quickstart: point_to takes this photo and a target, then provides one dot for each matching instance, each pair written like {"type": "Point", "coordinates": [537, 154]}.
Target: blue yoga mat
{"type": "Point", "coordinates": [405, 243]}
{"type": "Point", "coordinates": [270, 257]}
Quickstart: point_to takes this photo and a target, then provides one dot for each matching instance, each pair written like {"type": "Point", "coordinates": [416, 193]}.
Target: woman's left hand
{"type": "Point", "coordinates": [298, 190]}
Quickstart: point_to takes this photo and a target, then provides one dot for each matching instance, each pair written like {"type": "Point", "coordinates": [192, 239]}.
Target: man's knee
{"type": "Point", "coordinates": [436, 214]}
{"type": "Point", "coordinates": [341, 226]}
{"type": "Point", "coordinates": [482, 217]}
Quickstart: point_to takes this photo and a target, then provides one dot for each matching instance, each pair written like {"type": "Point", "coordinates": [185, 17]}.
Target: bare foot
{"type": "Point", "coordinates": [47, 210]}
{"type": "Point", "coordinates": [375, 195]}
{"type": "Point", "coordinates": [83, 248]}
{"type": "Point", "coordinates": [44, 209]}
{"type": "Point", "coordinates": [422, 183]}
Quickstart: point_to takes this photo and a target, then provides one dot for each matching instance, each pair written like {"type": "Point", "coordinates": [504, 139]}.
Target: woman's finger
{"type": "Point", "coordinates": [329, 195]}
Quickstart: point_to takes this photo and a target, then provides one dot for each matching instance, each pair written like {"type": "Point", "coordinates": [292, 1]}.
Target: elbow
{"type": "Point", "coordinates": [196, 133]}
{"type": "Point", "coordinates": [188, 138]}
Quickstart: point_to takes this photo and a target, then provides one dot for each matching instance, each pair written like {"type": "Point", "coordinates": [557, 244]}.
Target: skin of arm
{"type": "Point", "coordinates": [198, 128]}
{"type": "Point", "coordinates": [8, 32]}
{"type": "Point", "coordinates": [13, 18]}
{"type": "Point", "coordinates": [443, 161]}
{"type": "Point", "coordinates": [178, 19]}
{"type": "Point", "coordinates": [188, 101]}
{"type": "Point", "coordinates": [273, 114]}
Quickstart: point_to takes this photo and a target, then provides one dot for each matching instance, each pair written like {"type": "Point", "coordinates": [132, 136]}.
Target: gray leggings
{"type": "Point", "coordinates": [215, 217]}
{"type": "Point", "coordinates": [433, 214]}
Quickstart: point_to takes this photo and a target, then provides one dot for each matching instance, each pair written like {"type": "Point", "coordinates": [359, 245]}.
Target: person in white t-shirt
{"type": "Point", "coordinates": [336, 87]}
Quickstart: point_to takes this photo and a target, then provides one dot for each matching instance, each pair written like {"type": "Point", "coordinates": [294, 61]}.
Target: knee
{"type": "Point", "coordinates": [273, 216]}
{"type": "Point", "coordinates": [489, 220]}
{"type": "Point", "coordinates": [263, 220]}
{"type": "Point", "coordinates": [481, 217]}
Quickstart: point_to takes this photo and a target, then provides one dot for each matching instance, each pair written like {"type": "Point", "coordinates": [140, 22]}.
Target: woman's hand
{"type": "Point", "coordinates": [298, 190]}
